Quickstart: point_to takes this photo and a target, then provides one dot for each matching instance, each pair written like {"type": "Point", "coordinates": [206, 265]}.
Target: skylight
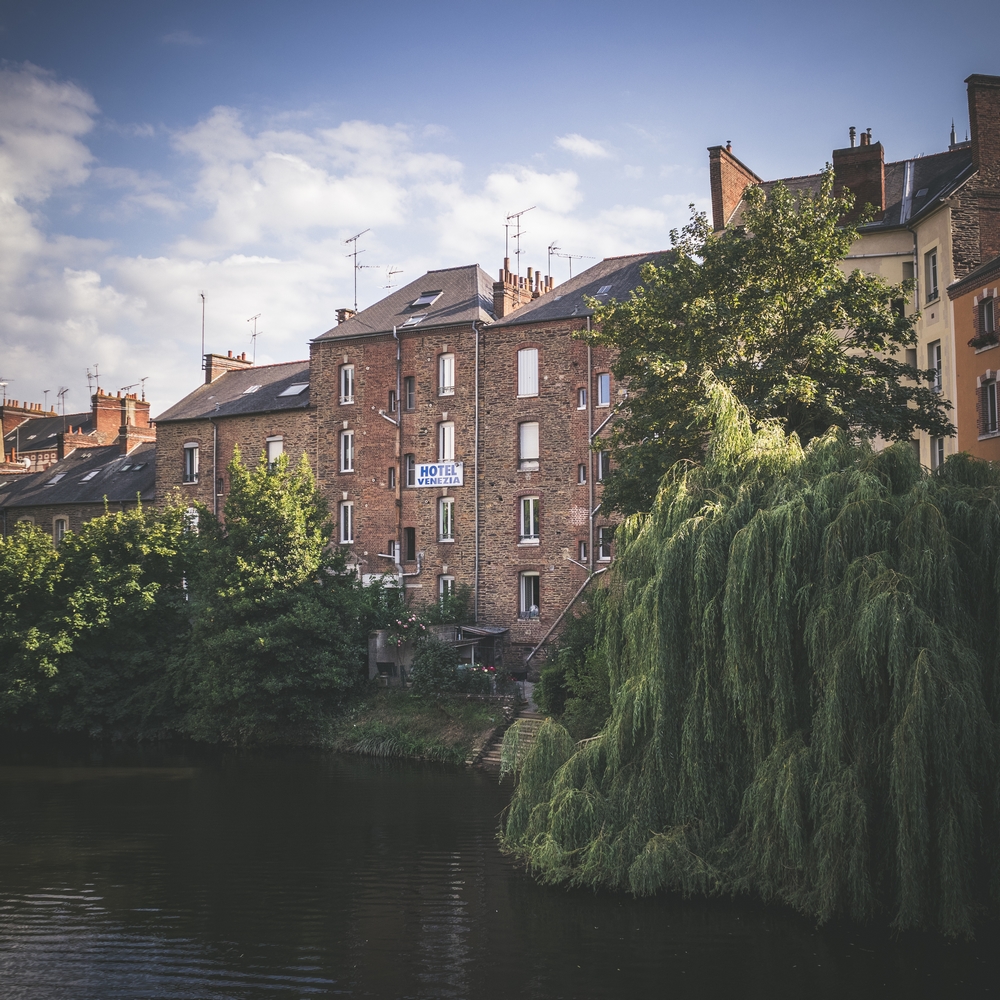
{"type": "Point", "coordinates": [294, 390]}
{"type": "Point", "coordinates": [414, 320]}
{"type": "Point", "coordinates": [249, 389]}
{"type": "Point", "coordinates": [921, 193]}
{"type": "Point", "coordinates": [125, 468]}
{"type": "Point", "coordinates": [90, 475]}
{"type": "Point", "coordinates": [604, 289]}
{"type": "Point", "coordinates": [426, 299]}
{"type": "Point", "coordinates": [31, 437]}
{"type": "Point", "coordinates": [55, 479]}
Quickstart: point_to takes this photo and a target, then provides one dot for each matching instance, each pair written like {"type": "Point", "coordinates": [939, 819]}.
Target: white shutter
{"type": "Point", "coordinates": [527, 371]}
{"type": "Point", "coordinates": [529, 442]}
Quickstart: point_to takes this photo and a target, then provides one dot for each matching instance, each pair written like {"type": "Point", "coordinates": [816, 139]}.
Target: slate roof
{"type": "Point", "coordinates": [983, 273]}
{"type": "Point", "coordinates": [116, 476]}
{"type": "Point", "coordinates": [931, 179]}
{"type": "Point", "coordinates": [42, 433]}
{"type": "Point", "coordinates": [569, 299]}
{"type": "Point", "coordinates": [466, 297]}
{"type": "Point", "coordinates": [233, 393]}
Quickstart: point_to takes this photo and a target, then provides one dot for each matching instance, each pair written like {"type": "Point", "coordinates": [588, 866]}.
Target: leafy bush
{"type": "Point", "coordinates": [435, 667]}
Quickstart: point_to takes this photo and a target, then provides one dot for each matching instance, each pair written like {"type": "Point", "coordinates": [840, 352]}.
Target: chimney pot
{"type": "Point", "coordinates": [729, 145]}
{"type": "Point", "coordinates": [230, 353]}
{"type": "Point", "coordinates": [853, 133]}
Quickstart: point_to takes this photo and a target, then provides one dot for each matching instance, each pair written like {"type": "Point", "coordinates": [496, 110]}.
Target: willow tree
{"type": "Point", "coordinates": [803, 649]}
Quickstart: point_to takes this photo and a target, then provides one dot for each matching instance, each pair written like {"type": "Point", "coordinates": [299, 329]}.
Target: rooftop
{"type": "Point", "coordinates": [42, 433]}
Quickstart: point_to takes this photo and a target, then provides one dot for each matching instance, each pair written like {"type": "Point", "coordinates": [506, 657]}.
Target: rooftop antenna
{"type": "Point", "coordinates": [94, 379]}
{"type": "Point", "coordinates": [354, 253]}
{"type": "Point", "coordinates": [571, 257]}
{"type": "Point", "coordinates": [202, 294]}
{"type": "Point", "coordinates": [552, 249]}
{"type": "Point", "coordinates": [125, 388]}
{"type": "Point", "coordinates": [255, 334]}
{"type": "Point", "coordinates": [518, 233]}
{"type": "Point", "coordinates": [61, 396]}
{"type": "Point", "coordinates": [4, 382]}
{"type": "Point", "coordinates": [45, 400]}
{"type": "Point", "coordinates": [390, 273]}
{"type": "Point", "coordinates": [142, 383]}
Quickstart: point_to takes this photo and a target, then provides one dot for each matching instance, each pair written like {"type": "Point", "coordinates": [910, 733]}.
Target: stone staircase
{"type": "Point", "coordinates": [530, 720]}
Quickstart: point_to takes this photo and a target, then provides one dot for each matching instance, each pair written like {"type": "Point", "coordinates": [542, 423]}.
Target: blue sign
{"type": "Point", "coordinates": [440, 474]}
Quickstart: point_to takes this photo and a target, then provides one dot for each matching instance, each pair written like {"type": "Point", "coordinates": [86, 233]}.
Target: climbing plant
{"type": "Point", "coordinates": [802, 646]}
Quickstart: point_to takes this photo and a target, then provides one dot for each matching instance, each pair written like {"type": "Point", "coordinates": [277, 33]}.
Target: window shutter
{"type": "Point", "coordinates": [529, 441]}
{"type": "Point", "coordinates": [527, 371]}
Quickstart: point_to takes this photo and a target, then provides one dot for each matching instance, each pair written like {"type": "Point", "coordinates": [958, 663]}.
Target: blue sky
{"type": "Point", "coordinates": [149, 152]}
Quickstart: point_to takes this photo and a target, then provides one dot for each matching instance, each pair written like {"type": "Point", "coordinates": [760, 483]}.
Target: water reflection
{"type": "Point", "coordinates": [160, 874]}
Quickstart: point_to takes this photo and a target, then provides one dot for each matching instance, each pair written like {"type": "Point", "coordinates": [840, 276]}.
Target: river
{"type": "Point", "coordinates": [165, 873]}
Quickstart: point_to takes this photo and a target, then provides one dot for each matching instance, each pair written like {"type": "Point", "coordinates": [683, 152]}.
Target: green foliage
{"type": "Point", "coordinates": [768, 309]}
{"type": "Point", "coordinates": [803, 650]}
{"type": "Point", "coordinates": [435, 667]}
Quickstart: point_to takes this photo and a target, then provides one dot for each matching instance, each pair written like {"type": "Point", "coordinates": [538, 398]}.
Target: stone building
{"type": "Point", "coordinates": [937, 218]}
{"type": "Point", "coordinates": [263, 410]}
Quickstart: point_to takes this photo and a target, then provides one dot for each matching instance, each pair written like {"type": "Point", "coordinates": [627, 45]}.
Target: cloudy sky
{"type": "Point", "coordinates": [151, 152]}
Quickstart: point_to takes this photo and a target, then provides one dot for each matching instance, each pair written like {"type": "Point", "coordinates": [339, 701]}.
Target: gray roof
{"type": "Point", "coordinates": [117, 477]}
{"type": "Point", "coordinates": [983, 273]}
{"type": "Point", "coordinates": [565, 301]}
{"type": "Point", "coordinates": [42, 433]}
{"type": "Point", "coordinates": [233, 393]}
{"type": "Point", "coordinates": [466, 296]}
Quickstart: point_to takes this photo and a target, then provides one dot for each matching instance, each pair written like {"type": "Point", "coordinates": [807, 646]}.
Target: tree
{"type": "Point", "coordinates": [767, 308]}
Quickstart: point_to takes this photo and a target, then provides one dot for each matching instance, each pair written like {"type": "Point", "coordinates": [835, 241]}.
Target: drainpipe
{"type": "Point", "coordinates": [215, 451]}
{"type": "Point", "coordinates": [590, 451]}
{"type": "Point", "coordinates": [400, 471]}
{"type": "Point", "coordinates": [475, 453]}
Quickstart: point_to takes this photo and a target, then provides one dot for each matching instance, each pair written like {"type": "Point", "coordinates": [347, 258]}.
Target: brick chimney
{"type": "Point", "coordinates": [511, 292]}
{"type": "Point", "coordinates": [861, 170]}
{"type": "Point", "coordinates": [217, 364]}
{"type": "Point", "coordinates": [730, 178]}
{"type": "Point", "coordinates": [106, 411]}
{"type": "Point", "coordinates": [343, 315]}
{"type": "Point", "coordinates": [984, 125]}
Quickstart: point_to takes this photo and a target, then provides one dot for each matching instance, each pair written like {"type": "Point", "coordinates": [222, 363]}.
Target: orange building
{"type": "Point", "coordinates": [977, 357]}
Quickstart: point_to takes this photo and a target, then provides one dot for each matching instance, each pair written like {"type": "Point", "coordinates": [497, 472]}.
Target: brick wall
{"type": "Point", "coordinates": [984, 121]}
{"type": "Point", "coordinates": [75, 514]}
{"type": "Point", "coordinates": [861, 170]}
{"type": "Point", "coordinates": [730, 178]}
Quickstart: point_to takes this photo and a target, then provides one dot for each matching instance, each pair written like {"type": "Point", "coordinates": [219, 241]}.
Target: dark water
{"type": "Point", "coordinates": [155, 874]}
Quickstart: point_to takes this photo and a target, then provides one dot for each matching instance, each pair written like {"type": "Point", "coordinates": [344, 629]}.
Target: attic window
{"type": "Point", "coordinates": [31, 437]}
{"type": "Point", "coordinates": [294, 390]}
{"type": "Point", "coordinates": [425, 299]}
{"type": "Point", "coordinates": [414, 320]}
{"type": "Point", "coordinates": [55, 479]}
{"type": "Point", "coordinates": [604, 289]}
{"type": "Point", "coordinates": [249, 389]}
{"type": "Point", "coordinates": [921, 193]}
{"type": "Point", "coordinates": [90, 475]}
{"type": "Point", "coordinates": [141, 465]}
{"type": "Point", "coordinates": [125, 468]}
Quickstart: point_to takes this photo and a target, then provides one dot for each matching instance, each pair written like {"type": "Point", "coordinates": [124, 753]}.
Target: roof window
{"type": "Point", "coordinates": [425, 299]}
{"type": "Point", "coordinates": [125, 468]}
{"type": "Point", "coordinates": [294, 390]}
{"type": "Point", "coordinates": [921, 193]}
{"type": "Point", "coordinates": [414, 320]}
{"type": "Point", "coordinates": [249, 389]}
{"type": "Point", "coordinates": [55, 479]}
{"type": "Point", "coordinates": [90, 475]}
{"type": "Point", "coordinates": [604, 289]}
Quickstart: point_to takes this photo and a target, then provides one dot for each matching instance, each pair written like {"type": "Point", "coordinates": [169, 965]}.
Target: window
{"type": "Point", "coordinates": [295, 390]}
{"type": "Point", "coordinates": [90, 475]}
{"type": "Point", "coordinates": [446, 587]}
{"type": "Point", "coordinates": [249, 389]}
{"type": "Point", "coordinates": [275, 449]}
{"type": "Point", "coordinates": [527, 371]}
{"type": "Point", "coordinates": [446, 519]}
{"type": "Point", "coordinates": [446, 375]}
{"type": "Point", "coordinates": [931, 274]}
{"type": "Point", "coordinates": [603, 465]}
{"type": "Point", "coordinates": [391, 477]}
{"type": "Point", "coordinates": [347, 383]}
{"type": "Point", "coordinates": [911, 357]}
{"type": "Point", "coordinates": [58, 528]}
{"type": "Point", "coordinates": [603, 389]}
{"type": "Point", "coordinates": [446, 442]}
{"type": "Point", "coordinates": [987, 320]}
{"type": "Point", "coordinates": [581, 473]}
{"type": "Point", "coordinates": [425, 299]}
{"type": "Point", "coordinates": [581, 398]}
{"type": "Point", "coordinates": [908, 270]}
{"type": "Point", "coordinates": [937, 452]}
{"type": "Point", "coordinates": [414, 320]}
{"type": "Point", "coordinates": [604, 537]}
{"type": "Point", "coordinates": [410, 393]}
{"type": "Point", "coordinates": [529, 595]}
{"type": "Point", "coordinates": [347, 451]}
{"type": "Point", "coordinates": [410, 468]}
{"type": "Point", "coordinates": [934, 362]}
{"type": "Point", "coordinates": [190, 462]}
{"type": "Point", "coordinates": [347, 522]}
{"type": "Point", "coordinates": [392, 401]}
{"type": "Point", "coordinates": [604, 289]}
{"type": "Point", "coordinates": [988, 407]}
{"type": "Point", "coordinates": [410, 544]}
{"type": "Point", "coordinates": [390, 548]}
{"type": "Point", "coordinates": [55, 479]}
{"type": "Point", "coordinates": [529, 520]}
{"type": "Point", "coordinates": [528, 446]}
{"type": "Point", "coordinates": [582, 552]}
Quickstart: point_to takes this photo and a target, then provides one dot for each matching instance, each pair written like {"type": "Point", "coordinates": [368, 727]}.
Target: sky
{"type": "Point", "coordinates": [152, 152]}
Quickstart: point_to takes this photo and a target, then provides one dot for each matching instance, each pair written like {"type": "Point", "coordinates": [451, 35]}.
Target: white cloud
{"type": "Point", "coordinates": [183, 37]}
{"type": "Point", "coordinates": [578, 145]}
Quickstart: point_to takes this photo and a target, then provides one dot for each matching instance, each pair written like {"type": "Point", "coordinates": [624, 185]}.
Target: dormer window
{"type": "Point", "coordinates": [425, 299]}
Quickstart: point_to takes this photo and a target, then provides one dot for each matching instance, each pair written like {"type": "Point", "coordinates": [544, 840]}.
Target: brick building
{"type": "Point", "coordinates": [937, 218]}
{"type": "Point", "coordinates": [263, 409]}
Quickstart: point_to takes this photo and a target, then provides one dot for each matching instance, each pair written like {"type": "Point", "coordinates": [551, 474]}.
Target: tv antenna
{"type": "Point", "coordinates": [4, 382]}
{"type": "Point", "coordinates": [357, 267]}
{"type": "Point", "coordinates": [518, 233]}
{"type": "Point", "coordinates": [45, 399]}
{"type": "Point", "coordinates": [141, 382]}
{"type": "Point", "coordinates": [256, 333]}
{"type": "Point", "coordinates": [94, 379]}
{"type": "Point", "coordinates": [571, 257]}
{"type": "Point", "coordinates": [202, 294]}
{"type": "Point", "coordinates": [390, 273]}
{"type": "Point", "coordinates": [552, 249]}
{"type": "Point", "coordinates": [61, 396]}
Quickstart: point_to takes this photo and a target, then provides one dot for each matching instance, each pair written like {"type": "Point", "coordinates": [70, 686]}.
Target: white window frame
{"type": "Point", "coordinates": [581, 398]}
{"type": "Point", "coordinates": [446, 441]}
{"type": "Point", "coordinates": [446, 586]}
{"type": "Point", "coordinates": [582, 550]}
{"type": "Point", "coordinates": [529, 594]}
{"type": "Point", "coordinates": [446, 374]}
{"type": "Point", "coordinates": [529, 531]}
{"type": "Point", "coordinates": [937, 452]}
{"type": "Point", "coordinates": [391, 477]}
{"type": "Point", "coordinates": [347, 451]}
{"type": "Point", "coordinates": [410, 393]}
{"type": "Point", "coordinates": [528, 445]}
{"type": "Point", "coordinates": [603, 382]}
{"type": "Point", "coordinates": [581, 474]}
{"type": "Point", "coordinates": [345, 525]}
{"type": "Point", "coordinates": [987, 316]}
{"type": "Point", "coordinates": [934, 360]}
{"type": "Point", "coordinates": [410, 470]}
{"type": "Point", "coordinates": [605, 536]}
{"type": "Point", "coordinates": [603, 465]}
{"type": "Point", "coordinates": [275, 447]}
{"type": "Point", "coordinates": [346, 384]}
{"type": "Point", "coordinates": [191, 450]}
{"type": "Point", "coordinates": [931, 274]}
{"type": "Point", "coordinates": [527, 372]}
{"type": "Point", "coordinates": [58, 532]}
{"type": "Point", "coordinates": [988, 415]}
{"type": "Point", "coordinates": [393, 402]}
{"type": "Point", "coordinates": [446, 519]}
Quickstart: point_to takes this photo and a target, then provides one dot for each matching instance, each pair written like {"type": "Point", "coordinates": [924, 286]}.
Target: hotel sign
{"type": "Point", "coordinates": [440, 474]}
